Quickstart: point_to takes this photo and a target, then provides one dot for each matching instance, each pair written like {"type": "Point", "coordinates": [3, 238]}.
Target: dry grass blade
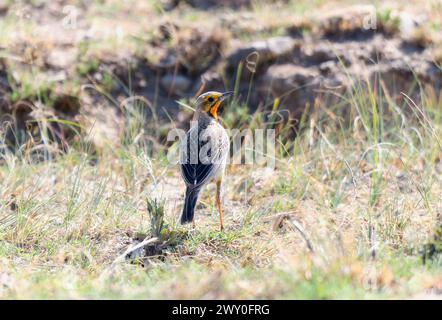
{"type": "Point", "coordinates": [295, 223]}
{"type": "Point", "coordinates": [279, 219]}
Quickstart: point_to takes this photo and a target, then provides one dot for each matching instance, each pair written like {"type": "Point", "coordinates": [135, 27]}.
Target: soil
{"type": "Point", "coordinates": [309, 64]}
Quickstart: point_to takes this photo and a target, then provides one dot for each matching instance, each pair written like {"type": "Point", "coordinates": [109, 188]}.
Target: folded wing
{"type": "Point", "coordinates": [197, 171]}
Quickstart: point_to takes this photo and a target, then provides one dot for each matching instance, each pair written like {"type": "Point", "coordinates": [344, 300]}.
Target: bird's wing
{"type": "Point", "coordinates": [195, 171]}
{"type": "Point", "coordinates": [196, 175]}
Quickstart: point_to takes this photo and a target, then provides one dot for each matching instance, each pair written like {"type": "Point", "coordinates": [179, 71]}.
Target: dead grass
{"type": "Point", "coordinates": [365, 199]}
{"type": "Point", "coordinates": [64, 222]}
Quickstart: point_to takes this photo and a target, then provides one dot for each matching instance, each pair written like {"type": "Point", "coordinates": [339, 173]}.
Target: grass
{"type": "Point", "coordinates": [362, 182]}
{"type": "Point", "coordinates": [64, 221]}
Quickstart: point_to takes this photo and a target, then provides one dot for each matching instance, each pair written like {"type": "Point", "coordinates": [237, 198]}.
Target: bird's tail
{"type": "Point", "coordinates": [189, 205]}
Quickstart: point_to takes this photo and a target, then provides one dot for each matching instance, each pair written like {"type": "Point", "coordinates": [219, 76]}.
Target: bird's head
{"type": "Point", "coordinates": [209, 102]}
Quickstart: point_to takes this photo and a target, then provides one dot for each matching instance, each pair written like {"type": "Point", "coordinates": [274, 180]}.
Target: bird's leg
{"type": "Point", "coordinates": [218, 203]}
{"type": "Point", "coordinates": [193, 223]}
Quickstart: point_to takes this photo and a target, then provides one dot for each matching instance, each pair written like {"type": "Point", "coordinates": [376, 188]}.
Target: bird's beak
{"type": "Point", "coordinates": [225, 95]}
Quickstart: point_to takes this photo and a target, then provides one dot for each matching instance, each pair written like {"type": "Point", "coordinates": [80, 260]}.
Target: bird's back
{"type": "Point", "coordinates": [204, 152]}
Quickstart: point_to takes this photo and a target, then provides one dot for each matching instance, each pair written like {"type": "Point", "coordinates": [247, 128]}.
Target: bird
{"type": "Point", "coordinates": [203, 153]}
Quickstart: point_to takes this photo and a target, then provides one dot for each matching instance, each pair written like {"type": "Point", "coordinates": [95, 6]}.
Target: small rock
{"type": "Point", "coordinates": [142, 249]}
{"type": "Point", "coordinates": [319, 53]}
{"type": "Point", "coordinates": [176, 84]}
{"type": "Point", "coordinates": [267, 50]}
{"type": "Point", "coordinates": [295, 84]}
{"type": "Point", "coordinates": [280, 46]}
{"type": "Point", "coordinates": [290, 75]}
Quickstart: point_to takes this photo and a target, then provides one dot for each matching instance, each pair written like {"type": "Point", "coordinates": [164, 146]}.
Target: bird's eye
{"type": "Point", "coordinates": [210, 99]}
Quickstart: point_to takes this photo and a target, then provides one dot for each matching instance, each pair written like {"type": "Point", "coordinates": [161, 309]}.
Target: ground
{"type": "Point", "coordinates": [351, 208]}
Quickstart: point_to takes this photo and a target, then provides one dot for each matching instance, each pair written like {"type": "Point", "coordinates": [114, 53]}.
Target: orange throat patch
{"type": "Point", "coordinates": [214, 110]}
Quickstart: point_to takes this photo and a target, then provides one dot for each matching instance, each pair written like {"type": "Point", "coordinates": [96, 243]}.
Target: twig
{"type": "Point", "coordinates": [280, 217]}
{"type": "Point", "coordinates": [130, 250]}
{"type": "Point", "coordinates": [301, 230]}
